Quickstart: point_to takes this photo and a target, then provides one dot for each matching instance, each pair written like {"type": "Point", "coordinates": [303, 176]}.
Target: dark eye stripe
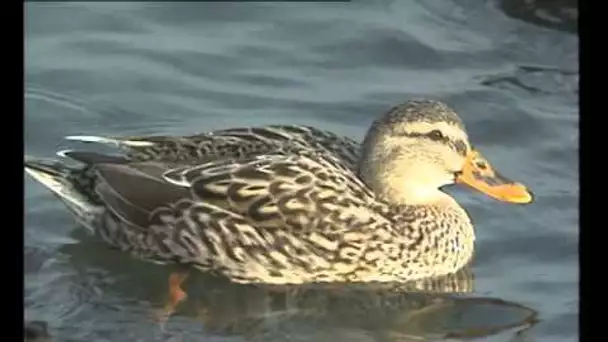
{"type": "Point", "coordinates": [459, 145]}
{"type": "Point", "coordinates": [436, 135]}
{"type": "Point", "coordinates": [430, 135]}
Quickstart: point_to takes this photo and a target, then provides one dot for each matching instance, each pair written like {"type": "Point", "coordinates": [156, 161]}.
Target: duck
{"type": "Point", "coordinates": [286, 204]}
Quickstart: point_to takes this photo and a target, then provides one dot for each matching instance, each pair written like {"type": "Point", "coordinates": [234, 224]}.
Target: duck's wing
{"type": "Point", "coordinates": [239, 143]}
{"type": "Point", "coordinates": [282, 219]}
{"type": "Point", "coordinates": [272, 218]}
{"type": "Point", "coordinates": [134, 191]}
{"type": "Point", "coordinates": [276, 190]}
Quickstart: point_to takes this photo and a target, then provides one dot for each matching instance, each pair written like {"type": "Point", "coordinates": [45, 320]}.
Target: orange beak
{"type": "Point", "coordinates": [479, 174]}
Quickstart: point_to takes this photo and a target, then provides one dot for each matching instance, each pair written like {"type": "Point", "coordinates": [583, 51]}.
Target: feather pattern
{"type": "Point", "coordinates": [278, 204]}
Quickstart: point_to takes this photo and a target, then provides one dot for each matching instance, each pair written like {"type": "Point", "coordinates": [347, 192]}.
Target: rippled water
{"type": "Point", "coordinates": [509, 67]}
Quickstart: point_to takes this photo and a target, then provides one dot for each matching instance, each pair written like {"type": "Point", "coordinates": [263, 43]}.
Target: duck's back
{"type": "Point", "coordinates": [236, 143]}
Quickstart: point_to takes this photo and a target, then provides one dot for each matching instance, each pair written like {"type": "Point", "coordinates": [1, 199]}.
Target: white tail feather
{"type": "Point", "coordinates": [63, 153]}
{"type": "Point", "coordinates": [109, 141]}
{"type": "Point", "coordinates": [56, 185]}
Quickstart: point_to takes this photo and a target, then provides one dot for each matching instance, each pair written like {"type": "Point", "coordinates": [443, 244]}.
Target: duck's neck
{"type": "Point", "coordinates": [400, 185]}
{"type": "Point", "coordinates": [410, 194]}
{"type": "Point", "coordinates": [434, 220]}
{"type": "Point", "coordinates": [412, 199]}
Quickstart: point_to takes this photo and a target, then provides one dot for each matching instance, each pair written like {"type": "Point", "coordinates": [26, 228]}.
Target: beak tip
{"type": "Point", "coordinates": [531, 197]}
{"type": "Point", "coordinates": [527, 197]}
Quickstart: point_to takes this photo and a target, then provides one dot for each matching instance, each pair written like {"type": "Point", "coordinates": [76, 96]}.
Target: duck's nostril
{"type": "Point", "coordinates": [481, 165]}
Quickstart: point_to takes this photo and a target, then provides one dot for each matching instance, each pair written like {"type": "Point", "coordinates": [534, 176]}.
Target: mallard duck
{"type": "Point", "coordinates": [287, 204]}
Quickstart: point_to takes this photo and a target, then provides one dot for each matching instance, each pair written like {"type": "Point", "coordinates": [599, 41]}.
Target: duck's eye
{"type": "Point", "coordinates": [436, 135]}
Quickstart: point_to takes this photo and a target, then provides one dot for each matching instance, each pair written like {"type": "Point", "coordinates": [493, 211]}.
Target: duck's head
{"type": "Point", "coordinates": [420, 146]}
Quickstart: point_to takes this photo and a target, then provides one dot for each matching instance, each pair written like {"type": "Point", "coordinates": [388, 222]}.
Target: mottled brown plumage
{"type": "Point", "coordinates": [282, 204]}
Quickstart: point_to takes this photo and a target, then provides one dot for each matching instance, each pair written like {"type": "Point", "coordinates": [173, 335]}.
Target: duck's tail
{"type": "Point", "coordinates": [66, 182]}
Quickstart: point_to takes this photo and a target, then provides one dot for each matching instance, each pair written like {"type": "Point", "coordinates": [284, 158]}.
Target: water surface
{"type": "Point", "coordinates": [510, 68]}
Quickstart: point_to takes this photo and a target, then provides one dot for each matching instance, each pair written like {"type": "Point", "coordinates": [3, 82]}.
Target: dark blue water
{"type": "Point", "coordinates": [510, 68]}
